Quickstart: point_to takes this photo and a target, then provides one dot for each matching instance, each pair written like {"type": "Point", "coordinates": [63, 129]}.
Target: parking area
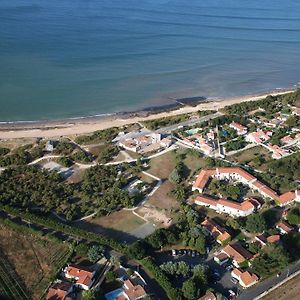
{"type": "Point", "coordinates": [221, 281]}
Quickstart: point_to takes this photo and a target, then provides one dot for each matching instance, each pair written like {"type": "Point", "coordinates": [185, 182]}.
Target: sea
{"type": "Point", "coordinates": [74, 58]}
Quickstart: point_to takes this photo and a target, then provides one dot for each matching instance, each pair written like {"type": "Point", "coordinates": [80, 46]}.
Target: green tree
{"type": "Point", "coordinates": [200, 273]}
{"type": "Point", "coordinates": [92, 294]}
{"type": "Point", "coordinates": [272, 260]}
{"type": "Point", "coordinates": [255, 223]}
{"type": "Point", "coordinates": [190, 289]}
{"type": "Point", "coordinates": [95, 253]}
{"type": "Point", "coordinates": [137, 250]}
{"type": "Point", "coordinates": [294, 216]}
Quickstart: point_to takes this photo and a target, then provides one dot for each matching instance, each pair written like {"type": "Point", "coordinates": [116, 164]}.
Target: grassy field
{"type": "Point", "coordinates": [249, 155]}
{"type": "Point", "coordinates": [28, 264]}
{"type": "Point", "coordinates": [161, 166]}
{"type": "Point", "coordinates": [116, 225]}
{"type": "Point", "coordinates": [290, 290]}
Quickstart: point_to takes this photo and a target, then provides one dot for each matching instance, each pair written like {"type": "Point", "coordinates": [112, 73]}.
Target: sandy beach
{"type": "Point", "coordinates": [69, 127]}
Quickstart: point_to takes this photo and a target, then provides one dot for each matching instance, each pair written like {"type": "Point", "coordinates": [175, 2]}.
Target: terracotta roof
{"type": "Point", "coordinates": [83, 274]}
{"type": "Point", "coordinates": [273, 238]}
{"type": "Point", "coordinates": [134, 291]}
{"type": "Point", "coordinates": [284, 226]}
{"type": "Point", "coordinates": [246, 277]}
{"type": "Point", "coordinates": [208, 296]}
{"type": "Point", "coordinates": [206, 199]}
{"type": "Point", "coordinates": [203, 178]}
{"type": "Point", "coordinates": [58, 291]}
{"type": "Point", "coordinates": [237, 252]}
{"type": "Point", "coordinates": [238, 126]}
{"type": "Point", "coordinates": [243, 206]}
{"type": "Point", "coordinates": [287, 197]}
{"type": "Point", "coordinates": [216, 230]}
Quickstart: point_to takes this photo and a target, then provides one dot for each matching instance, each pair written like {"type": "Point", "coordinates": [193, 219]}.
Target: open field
{"type": "Point", "coordinates": [161, 166]}
{"type": "Point", "coordinates": [249, 155]}
{"type": "Point", "coordinates": [290, 290]}
{"type": "Point", "coordinates": [33, 260]}
{"type": "Point", "coordinates": [117, 225]}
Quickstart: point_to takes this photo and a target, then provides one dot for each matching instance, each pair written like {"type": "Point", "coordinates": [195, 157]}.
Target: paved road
{"type": "Point", "coordinates": [169, 129]}
{"type": "Point", "coordinates": [265, 285]}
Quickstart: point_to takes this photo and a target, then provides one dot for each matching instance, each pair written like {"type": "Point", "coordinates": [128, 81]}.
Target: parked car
{"type": "Point", "coordinates": [234, 280]}
{"type": "Point", "coordinates": [229, 267]}
{"type": "Point", "coordinates": [232, 294]}
{"type": "Point", "coordinates": [174, 252]}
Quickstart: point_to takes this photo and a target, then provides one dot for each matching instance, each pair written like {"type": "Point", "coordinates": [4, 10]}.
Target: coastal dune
{"type": "Point", "coordinates": [69, 127]}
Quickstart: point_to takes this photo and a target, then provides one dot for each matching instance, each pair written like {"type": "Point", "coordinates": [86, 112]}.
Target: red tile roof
{"type": "Point", "coordinates": [284, 226]}
{"type": "Point", "coordinates": [58, 291]}
{"type": "Point", "coordinates": [237, 252]}
{"type": "Point", "coordinates": [208, 296]}
{"type": "Point", "coordinates": [84, 275]}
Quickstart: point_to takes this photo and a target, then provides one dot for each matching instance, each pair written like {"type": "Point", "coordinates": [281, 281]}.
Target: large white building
{"type": "Point", "coordinates": [226, 206]}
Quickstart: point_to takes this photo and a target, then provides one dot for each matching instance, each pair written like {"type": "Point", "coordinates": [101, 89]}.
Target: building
{"type": "Point", "coordinates": [289, 197]}
{"type": "Point", "coordinates": [233, 208]}
{"type": "Point", "coordinates": [60, 291]}
{"type": "Point", "coordinates": [50, 145]}
{"type": "Point", "coordinates": [263, 239]}
{"type": "Point", "coordinates": [140, 142]}
{"type": "Point", "coordinates": [240, 129]}
{"type": "Point", "coordinates": [84, 277]}
{"type": "Point", "coordinates": [246, 279]}
{"type": "Point", "coordinates": [277, 152]}
{"type": "Point", "coordinates": [284, 227]}
{"type": "Point", "coordinates": [257, 137]}
{"type": "Point", "coordinates": [221, 258]}
{"type": "Point", "coordinates": [215, 230]}
{"type": "Point", "coordinates": [237, 253]}
{"type": "Point", "coordinates": [129, 291]}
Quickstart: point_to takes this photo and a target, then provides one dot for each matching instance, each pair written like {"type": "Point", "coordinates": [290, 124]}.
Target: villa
{"type": "Point", "coordinates": [60, 291]}
{"type": "Point", "coordinates": [215, 230]}
{"type": "Point", "coordinates": [263, 240]}
{"type": "Point", "coordinates": [284, 227]}
{"type": "Point", "coordinates": [246, 279]}
{"type": "Point", "coordinates": [84, 277]}
{"type": "Point", "coordinates": [277, 152]}
{"type": "Point", "coordinates": [257, 137]}
{"type": "Point", "coordinates": [240, 129]}
{"type": "Point", "coordinates": [237, 253]}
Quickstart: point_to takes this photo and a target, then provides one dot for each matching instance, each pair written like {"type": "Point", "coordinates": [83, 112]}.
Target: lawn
{"type": "Point", "coordinates": [117, 225]}
{"type": "Point", "coordinates": [31, 263]}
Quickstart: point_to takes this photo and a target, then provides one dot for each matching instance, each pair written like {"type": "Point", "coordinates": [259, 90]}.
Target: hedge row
{"type": "Point", "coordinates": [74, 231]}
{"type": "Point", "coordinates": [161, 278]}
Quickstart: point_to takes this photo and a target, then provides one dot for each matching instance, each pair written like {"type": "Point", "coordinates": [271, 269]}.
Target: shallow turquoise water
{"type": "Point", "coordinates": [61, 59]}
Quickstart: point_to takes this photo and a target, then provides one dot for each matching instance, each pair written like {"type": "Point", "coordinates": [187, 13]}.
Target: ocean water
{"type": "Point", "coordinates": [63, 58]}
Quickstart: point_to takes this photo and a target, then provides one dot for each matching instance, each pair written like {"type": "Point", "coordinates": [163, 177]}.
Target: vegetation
{"type": "Point", "coordinates": [105, 135]}
{"type": "Point", "coordinates": [271, 260]}
{"type": "Point", "coordinates": [239, 143]}
{"type": "Point", "coordinates": [255, 223]}
{"type": "Point", "coordinates": [95, 253]}
{"type": "Point", "coordinates": [294, 216]}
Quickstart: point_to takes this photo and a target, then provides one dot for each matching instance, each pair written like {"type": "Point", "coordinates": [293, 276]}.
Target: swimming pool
{"type": "Point", "coordinates": [114, 294]}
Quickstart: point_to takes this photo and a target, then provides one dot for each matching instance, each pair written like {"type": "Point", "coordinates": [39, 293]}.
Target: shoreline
{"type": "Point", "coordinates": [85, 125]}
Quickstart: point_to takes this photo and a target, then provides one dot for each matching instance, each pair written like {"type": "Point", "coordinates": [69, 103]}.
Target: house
{"type": "Point", "coordinates": [221, 258]}
{"type": "Point", "coordinates": [50, 145]}
{"type": "Point", "coordinates": [240, 129]}
{"type": "Point", "coordinates": [284, 227]}
{"type": "Point", "coordinates": [215, 230]}
{"type": "Point", "coordinates": [237, 253]}
{"type": "Point", "coordinates": [257, 137]}
{"type": "Point", "coordinates": [60, 291]}
{"type": "Point", "coordinates": [129, 291]}
{"type": "Point", "coordinates": [233, 208]}
{"type": "Point", "coordinates": [84, 277]}
{"type": "Point", "coordinates": [245, 278]}
{"type": "Point", "coordinates": [277, 152]}
{"type": "Point", "coordinates": [289, 197]}
{"type": "Point", "coordinates": [263, 240]}
{"type": "Point", "coordinates": [208, 296]}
